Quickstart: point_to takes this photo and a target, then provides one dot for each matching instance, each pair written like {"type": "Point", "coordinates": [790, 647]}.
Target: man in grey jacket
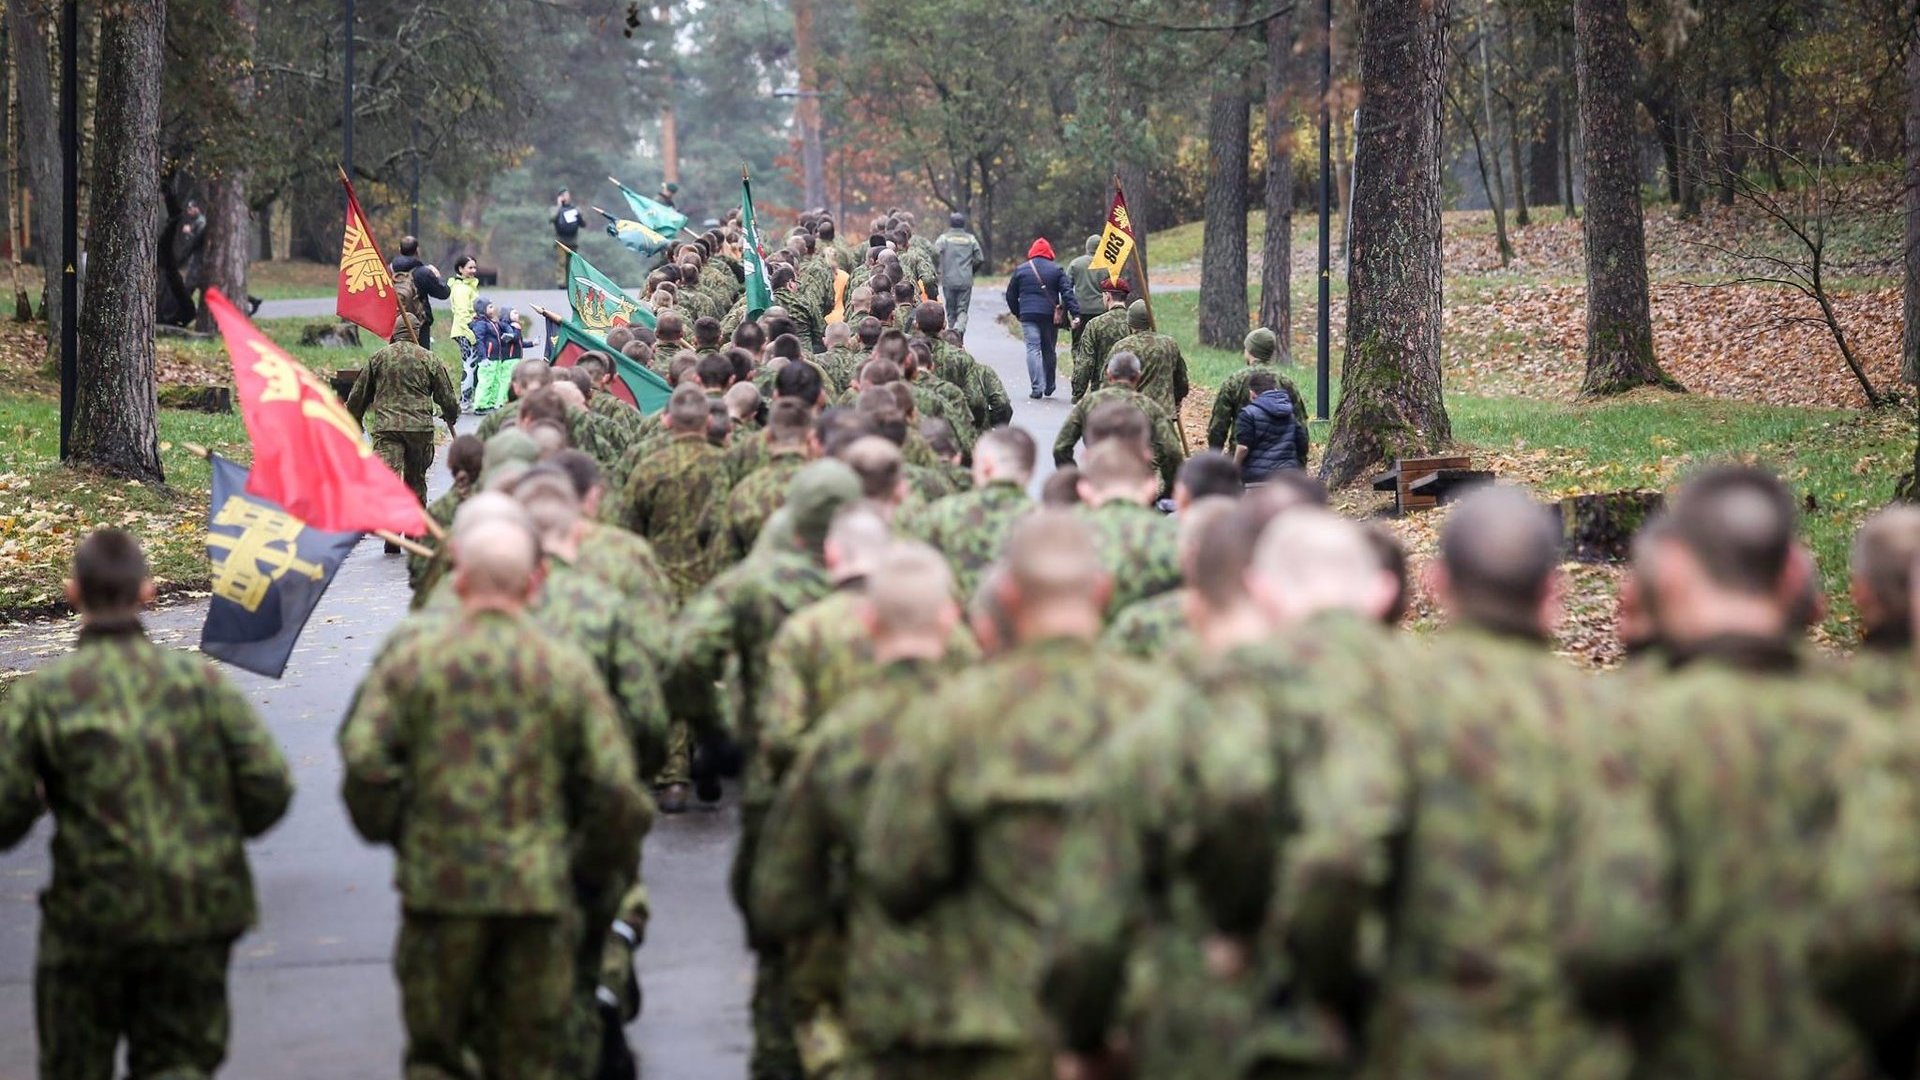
{"type": "Point", "coordinates": [959, 256]}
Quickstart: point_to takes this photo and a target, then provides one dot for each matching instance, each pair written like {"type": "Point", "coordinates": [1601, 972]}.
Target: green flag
{"type": "Point", "coordinates": [657, 216]}
{"type": "Point", "coordinates": [753, 257]}
{"type": "Point", "coordinates": [566, 340]}
{"type": "Point", "coordinates": [598, 304]}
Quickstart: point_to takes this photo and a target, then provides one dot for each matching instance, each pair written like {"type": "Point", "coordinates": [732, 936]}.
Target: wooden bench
{"type": "Point", "coordinates": [1406, 471]}
{"type": "Point", "coordinates": [1446, 485]}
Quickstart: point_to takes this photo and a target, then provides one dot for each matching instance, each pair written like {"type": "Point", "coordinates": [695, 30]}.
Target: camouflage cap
{"type": "Point", "coordinates": [508, 445]}
{"type": "Point", "coordinates": [1261, 344]}
{"type": "Point", "coordinates": [1138, 317]}
{"type": "Point", "coordinates": [815, 495]}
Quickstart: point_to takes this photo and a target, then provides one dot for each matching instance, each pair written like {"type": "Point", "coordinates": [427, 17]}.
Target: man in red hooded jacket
{"type": "Point", "coordinates": [1037, 293]}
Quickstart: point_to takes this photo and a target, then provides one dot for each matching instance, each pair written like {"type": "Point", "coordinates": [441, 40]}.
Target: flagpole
{"type": "Point", "coordinates": [411, 546]}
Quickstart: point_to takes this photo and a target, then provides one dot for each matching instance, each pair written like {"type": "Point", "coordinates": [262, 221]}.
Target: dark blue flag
{"type": "Point", "coordinates": [269, 570]}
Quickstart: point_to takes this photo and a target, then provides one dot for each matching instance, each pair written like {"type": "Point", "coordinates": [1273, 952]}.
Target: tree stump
{"type": "Point", "coordinates": [335, 335]}
{"type": "Point", "coordinates": [1600, 527]}
{"type": "Point", "coordinates": [343, 382]}
{"type": "Point", "coordinates": [207, 399]}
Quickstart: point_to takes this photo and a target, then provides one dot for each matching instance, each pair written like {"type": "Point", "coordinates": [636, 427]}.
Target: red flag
{"type": "Point", "coordinates": [308, 453]}
{"type": "Point", "coordinates": [366, 285]}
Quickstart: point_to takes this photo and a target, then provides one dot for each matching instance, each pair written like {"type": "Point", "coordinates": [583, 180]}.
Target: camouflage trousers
{"type": "Point", "coordinates": [963, 1064]}
{"type": "Point", "coordinates": [500, 985]}
{"type": "Point", "coordinates": [169, 1002]}
{"type": "Point", "coordinates": [775, 1054]}
{"type": "Point", "coordinates": [409, 454]}
{"type": "Point", "coordinates": [613, 921]}
{"type": "Point", "coordinates": [678, 768]}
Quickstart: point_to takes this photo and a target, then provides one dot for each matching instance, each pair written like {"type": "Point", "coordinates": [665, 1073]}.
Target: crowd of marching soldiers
{"type": "Point", "coordinates": [1067, 788]}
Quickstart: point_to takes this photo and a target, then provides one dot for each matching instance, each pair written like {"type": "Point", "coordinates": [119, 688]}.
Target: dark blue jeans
{"type": "Point", "coordinates": [1041, 335]}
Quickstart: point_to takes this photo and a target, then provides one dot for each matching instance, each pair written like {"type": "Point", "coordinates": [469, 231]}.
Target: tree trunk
{"type": "Point", "coordinates": [1223, 245]}
{"type": "Point", "coordinates": [1521, 218]}
{"type": "Point", "coordinates": [1910, 343]}
{"type": "Point", "coordinates": [223, 259]}
{"type": "Point", "coordinates": [34, 85]}
{"type": "Point", "coordinates": [1390, 400]}
{"type": "Point", "coordinates": [1666, 128]}
{"type": "Point", "coordinates": [1276, 270]}
{"type": "Point", "coordinates": [1342, 188]}
{"type": "Point", "coordinates": [1569, 130]}
{"type": "Point", "coordinates": [22, 305]}
{"type": "Point", "coordinates": [1498, 192]}
{"type": "Point", "coordinates": [114, 428]}
{"type": "Point", "coordinates": [1619, 324]}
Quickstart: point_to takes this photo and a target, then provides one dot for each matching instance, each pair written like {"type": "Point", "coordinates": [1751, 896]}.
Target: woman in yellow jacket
{"type": "Point", "coordinates": [461, 293]}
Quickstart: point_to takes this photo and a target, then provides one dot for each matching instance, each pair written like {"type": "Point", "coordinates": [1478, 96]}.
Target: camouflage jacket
{"type": "Point", "coordinates": [1137, 546]}
{"type": "Point", "coordinates": [603, 439]}
{"type": "Point", "coordinates": [673, 499]}
{"type": "Point", "coordinates": [625, 646]}
{"type": "Point", "coordinates": [626, 564]}
{"type": "Point", "coordinates": [1163, 371]}
{"type": "Point", "coordinates": [753, 501]}
{"type": "Point", "coordinates": [1168, 452]}
{"type": "Point", "coordinates": [1153, 629]}
{"type": "Point", "coordinates": [1096, 343]}
{"type": "Point", "coordinates": [1751, 766]}
{"type": "Point", "coordinates": [936, 398]}
{"type": "Point", "coordinates": [968, 528]}
{"type": "Point", "coordinates": [423, 571]}
{"type": "Point", "coordinates": [608, 407]}
{"type": "Point", "coordinates": [806, 318]}
{"type": "Point", "coordinates": [156, 770]}
{"type": "Point", "coordinates": [404, 385]}
{"type": "Point", "coordinates": [821, 654]}
{"type": "Point", "coordinates": [803, 892]}
{"type": "Point", "coordinates": [1453, 807]}
{"type": "Point", "coordinates": [492, 423]}
{"type": "Point", "coordinates": [1233, 395]}
{"type": "Point", "coordinates": [841, 365]}
{"type": "Point", "coordinates": [736, 617]}
{"type": "Point", "coordinates": [963, 839]}
{"type": "Point", "coordinates": [493, 761]}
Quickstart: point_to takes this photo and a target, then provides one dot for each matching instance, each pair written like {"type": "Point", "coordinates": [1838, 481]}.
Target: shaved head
{"type": "Point", "coordinates": [1500, 550]}
{"type": "Point", "coordinates": [1738, 523]}
{"type": "Point", "coordinates": [855, 541]}
{"type": "Point", "coordinates": [910, 590]}
{"type": "Point", "coordinates": [1223, 548]}
{"type": "Point", "coordinates": [1193, 522]}
{"type": "Point", "coordinates": [569, 393]}
{"type": "Point", "coordinates": [1309, 561]}
{"type": "Point", "coordinates": [1114, 470]}
{"type": "Point", "coordinates": [1886, 553]}
{"type": "Point", "coordinates": [497, 560]}
{"type": "Point", "coordinates": [1005, 453]}
{"type": "Point", "coordinates": [1050, 559]}
{"type": "Point", "coordinates": [551, 503]}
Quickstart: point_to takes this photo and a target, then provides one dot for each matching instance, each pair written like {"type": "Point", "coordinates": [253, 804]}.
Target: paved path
{"type": "Point", "coordinates": [313, 992]}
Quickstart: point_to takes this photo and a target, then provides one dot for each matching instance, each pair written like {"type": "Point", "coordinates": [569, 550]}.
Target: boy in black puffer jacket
{"type": "Point", "coordinates": [1269, 435]}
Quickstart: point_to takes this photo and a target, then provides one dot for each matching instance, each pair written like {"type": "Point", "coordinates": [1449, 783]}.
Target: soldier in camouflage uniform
{"type": "Point", "coordinates": [1156, 628]}
{"type": "Point", "coordinates": [755, 498]}
{"type": "Point", "coordinates": [970, 528]}
{"type": "Point", "coordinates": [736, 618]}
{"type": "Point", "coordinates": [465, 456]}
{"type": "Point", "coordinates": [1886, 552]}
{"type": "Point", "coordinates": [936, 398]}
{"type": "Point", "coordinates": [806, 318]}
{"type": "Point", "coordinates": [604, 403]}
{"type": "Point", "coordinates": [804, 896]}
{"type": "Point", "coordinates": [495, 764]}
{"type": "Point", "coordinates": [402, 385]}
{"type": "Point", "coordinates": [674, 494]}
{"type": "Point", "coordinates": [966, 822]}
{"type": "Point", "coordinates": [1749, 760]}
{"type": "Point", "coordinates": [528, 375]}
{"type": "Point", "coordinates": [1163, 371]}
{"type": "Point", "coordinates": [156, 771]}
{"type": "Point", "coordinates": [1097, 337]}
{"type": "Point", "coordinates": [1163, 438]}
{"type": "Point", "coordinates": [1233, 395]}
{"type": "Point", "coordinates": [1136, 543]}
{"type": "Point", "coordinates": [613, 556]}
{"type": "Point", "coordinates": [986, 396]}
{"type": "Point", "coordinates": [1163, 900]}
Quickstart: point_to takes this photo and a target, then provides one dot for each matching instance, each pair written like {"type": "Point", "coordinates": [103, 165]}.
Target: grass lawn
{"type": "Point", "coordinates": [292, 280]}
{"type": "Point", "coordinates": [1841, 462]}
{"type": "Point", "coordinates": [45, 506]}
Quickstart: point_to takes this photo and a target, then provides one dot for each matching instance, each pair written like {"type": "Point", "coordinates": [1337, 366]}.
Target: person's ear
{"type": "Point", "coordinates": [1102, 590]}
{"type": "Point", "coordinates": [869, 622]}
{"type": "Point", "coordinates": [71, 589]}
{"type": "Point", "coordinates": [1553, 602]}
{"type": "Point", "coordinates": [148, 593]}
{"type": "Point", "coordinates": [1085, 490]}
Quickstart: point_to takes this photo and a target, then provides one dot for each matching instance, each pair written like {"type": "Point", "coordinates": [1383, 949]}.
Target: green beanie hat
{"type": "Point", "coordinates": [509, 446]}
{"type": "Point", "coordinates": [816, 494]}
{"type": "Point", "coordinates": [1138, 317]}
{"type": "Point", "coordinates": [1261, 344]}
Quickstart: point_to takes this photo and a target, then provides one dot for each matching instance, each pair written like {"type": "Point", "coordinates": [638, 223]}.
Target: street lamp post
{"type": "Point", "coordinates": [1323, 380]}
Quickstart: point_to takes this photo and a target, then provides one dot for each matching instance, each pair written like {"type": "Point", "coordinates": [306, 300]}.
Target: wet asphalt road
{"type": "Point", "coordinates": [313, 993]}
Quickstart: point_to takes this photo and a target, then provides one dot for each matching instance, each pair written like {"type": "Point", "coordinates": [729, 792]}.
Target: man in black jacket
{"type": "Point", "coordinates": [426, 282]}
{"type": "Point", "coordinates": [566, 228]}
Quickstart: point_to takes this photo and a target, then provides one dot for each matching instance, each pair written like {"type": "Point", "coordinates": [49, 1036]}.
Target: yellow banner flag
{"type": "Point", "coordinates": [1116, 240]}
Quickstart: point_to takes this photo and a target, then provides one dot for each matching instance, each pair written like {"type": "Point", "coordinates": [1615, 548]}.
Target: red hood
{"type": "Point", "coordinates": [1040, 249]}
